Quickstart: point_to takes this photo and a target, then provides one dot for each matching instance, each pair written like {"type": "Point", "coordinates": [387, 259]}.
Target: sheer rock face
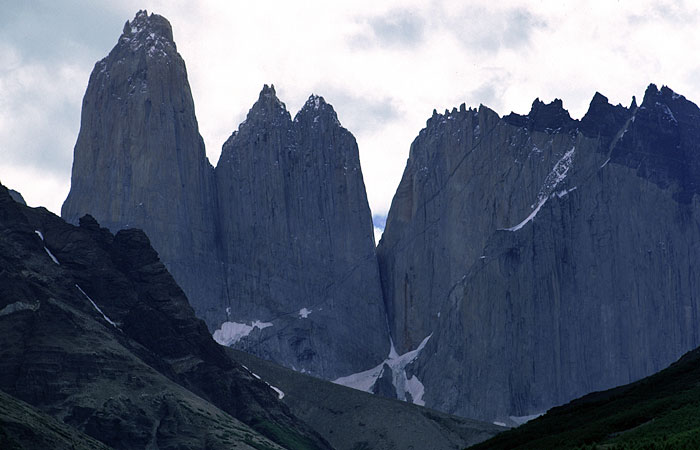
{"type": "Point", "coordinates": [292, 244]}
{"type": "Point", "coordinates": [299, 240]}
{"type": "Point", "coordinates": [548, 260]}
{"type": "Point", "coordinates": [139, 160]}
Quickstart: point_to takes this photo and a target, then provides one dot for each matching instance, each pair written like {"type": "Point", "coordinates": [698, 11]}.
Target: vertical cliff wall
{"type": "Point", "coordinates": [548, 257]}
{"type": "Point", "coordinates": [299, 248]}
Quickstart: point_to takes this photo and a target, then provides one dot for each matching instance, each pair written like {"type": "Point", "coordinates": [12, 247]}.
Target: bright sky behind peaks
{"type": "Point", "coordinates": [383, 65]}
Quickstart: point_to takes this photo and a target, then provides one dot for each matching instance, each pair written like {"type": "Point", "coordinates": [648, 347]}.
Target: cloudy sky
{"type": "Point", "coordinates": [384, 65]}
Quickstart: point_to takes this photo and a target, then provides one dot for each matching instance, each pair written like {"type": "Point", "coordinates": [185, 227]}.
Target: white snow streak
{"type": "Point", "coordinates": [48, 252]}
{"type": "Point", "coordinates": [280, 394]}
{"type": "Point", "coordinates": [553, 179]}
{"type": "Point", "coordinates": [528, 218]}
{"type": "Point", "coordinates": [97, 307]}
{"type": "Point", "coordinates": [53, 258]}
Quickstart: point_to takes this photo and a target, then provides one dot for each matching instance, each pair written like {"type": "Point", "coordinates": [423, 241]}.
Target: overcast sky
{"type": "Point", "coordinates": [383, 65]}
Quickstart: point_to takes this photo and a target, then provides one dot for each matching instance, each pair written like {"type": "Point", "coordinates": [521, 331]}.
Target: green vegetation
{"type": "Point", "coordinates": [659, 412]}
{"type": "Point", "coordinates": [285, 437]}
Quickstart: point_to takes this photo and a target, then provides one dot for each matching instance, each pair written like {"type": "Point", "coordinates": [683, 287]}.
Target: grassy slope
{"type": "Point", "coordinates": [658, 412]}
{"type": "Point", "coordinates": [24, 427]}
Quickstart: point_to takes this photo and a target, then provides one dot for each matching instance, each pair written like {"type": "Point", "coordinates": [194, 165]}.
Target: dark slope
{"type": "Point", "coordinates": [23, 427]}
{"type": "Point", "coordinates": [299, 244]}
{"type": "Point", "coordinates": [660, 412]}
{"type": "Point", "coordinates": [548, 257]}
{"type": "Point", "coordinates": [134, 369]}
{"type": "Point", "coordinates": [351, 419]}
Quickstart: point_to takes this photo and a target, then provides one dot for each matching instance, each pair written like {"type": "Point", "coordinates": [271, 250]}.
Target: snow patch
{"type": "Point", "coordinates": [557, 175]}
{"type": "Point", "coordinates": [232, 332]}
{"type": "Point", "coordinates": [40, 234]}
{"type": "Point", "coordinates": [416, 389]}
{"type": "Point", "coordinates": [500, 424]}
{"type": "Point", "coordinates": [97, 307]}
{"type": "Point", "coordinates": [364, 381]}
{"type": "Point", "coordinates": [304, 313]}
{"type": "Point", "coordinates": [608, 160]}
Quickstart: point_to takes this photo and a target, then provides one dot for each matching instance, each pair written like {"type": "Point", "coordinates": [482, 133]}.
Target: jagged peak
{"type": "Point", "coordinates": [651, 92]}
{"type": "Point", "coordinates": [268, 98]}
{"type": "Point", "coordinates": [665, 96]}
{"type": "Point", "coordinates": [461, 112]}
{"type": "Point", "coordinates": [153, 33]}
{"type": "Point", "coordinates": [316, 106]}
{"type": "Point", "coordinates": [598, 98]}
{"type": "Point", "coordinates": [555, 107]}
{"type": "Point", "coordinates": [267, 109]}
{"type": "Point", "coordinates": [315, 102]}
{"type": "Point", "coordinates": [602, 118]}
{"type": "Point", "coordinates": [543, 117]}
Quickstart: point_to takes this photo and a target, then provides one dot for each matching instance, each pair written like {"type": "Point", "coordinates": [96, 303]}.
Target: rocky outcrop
{"type": "Point", "coordinates": [140, 162]}
{"type": "Point", "coordinates": [16, 196]}
{"type": "Point", "coordinates": [299, 247]}
{"type": "Point", "coordinates": [548, 257]}
{"type": "Point", "coordinates": [95, 332]}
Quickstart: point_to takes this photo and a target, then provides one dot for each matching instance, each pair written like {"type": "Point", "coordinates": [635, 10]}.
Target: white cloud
{"type": "Point", "coordinates": [417, 56]}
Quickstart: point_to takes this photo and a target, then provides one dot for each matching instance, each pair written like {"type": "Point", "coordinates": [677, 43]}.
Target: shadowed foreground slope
{"type": "Point", "coordinates": [658, 412]}
{"type": "Point", "coordinates": [95, 332]}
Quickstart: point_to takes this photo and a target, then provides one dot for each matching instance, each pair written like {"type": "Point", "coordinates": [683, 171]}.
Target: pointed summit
{"type": "Point", "coordinates": [268, 109]}
{"type": "Point", "coordinates": [651, 92]}
{"type": "Point", "coordinates": [145, 24]}
{"type": "Point", "coordinates": [316, 110]}
{"type": "Point", "coordinates": [151, 34]}
{"type": "Point", "coordinates": [602, 118]}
